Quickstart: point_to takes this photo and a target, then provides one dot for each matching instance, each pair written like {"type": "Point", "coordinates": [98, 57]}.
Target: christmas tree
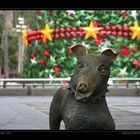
{"type": "Point", "coordinates": [48, 52]}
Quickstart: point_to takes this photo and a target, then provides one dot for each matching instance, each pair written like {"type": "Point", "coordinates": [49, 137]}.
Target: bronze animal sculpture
{"type": "Point", "coordinates": [83, 106]}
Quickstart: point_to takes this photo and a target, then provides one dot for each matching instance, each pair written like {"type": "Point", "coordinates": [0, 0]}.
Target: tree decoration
{"type": "Point", "coordinates": [134, 14]}
{"type": "Point", "coordinates": [99, 40]}
{"type": "Point", "coordinates": [70, 12]}
{"type": "Point", "coordinates": [136, 63]}
{"type": "Point", "coordinates": [43, 63]}
{"type": "Point", "coordinates": [47, 53]}
{"type": "Point", "coordinates": [125, 51]}
{"type": "Point", "coordinates": [84, 44]}
{"type": "Point", "coordinates": [135, 50]}
{"type": "Point", "coordinates": [32, 55]}
{"type": "Point", "coordinates": [91, 31]}
{"type": "Point", "coordinates": [57, 70]}
{"type": "Point", "coordinates": [70, 50]}
{"type": "Point", "coordinates": [135, 30]}
{"type": "Point", "coordinates": [47, 33]}
{"type": "Point", "coordinates": [123, 72]}
{"type": "Point", "coordinates": [123, 13]}
{"type": "Point", "coordinates": [24, 37]}
{"type": "Point", "coordinates": [33, 61]}
{"type": "Point", "coordinates": [94, 30]}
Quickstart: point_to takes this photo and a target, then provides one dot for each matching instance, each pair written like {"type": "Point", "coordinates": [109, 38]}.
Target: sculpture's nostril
{"type": "Point", "coordinates": [82, 87]}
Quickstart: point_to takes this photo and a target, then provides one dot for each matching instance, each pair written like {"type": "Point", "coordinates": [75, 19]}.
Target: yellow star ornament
{"type": "Point", "coordinates": [135, 30]}
{"type": "Point", "coordinates": [47, 33]}
{"type": "Point", "coordinates": [91, 31]}
{"type": "Point", "coordinates": [24, 37]}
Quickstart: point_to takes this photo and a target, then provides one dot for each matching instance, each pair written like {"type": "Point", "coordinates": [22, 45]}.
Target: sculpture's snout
{"type": "Point", "coordinates": [82, 87]}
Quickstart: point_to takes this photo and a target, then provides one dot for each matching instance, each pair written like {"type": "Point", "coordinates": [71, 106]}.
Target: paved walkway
{"type": "Point", "coordinates": [31, 112]}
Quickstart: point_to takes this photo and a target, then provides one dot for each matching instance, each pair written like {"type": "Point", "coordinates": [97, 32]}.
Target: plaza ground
{"type": "Point", "coordinates": [31, 112]}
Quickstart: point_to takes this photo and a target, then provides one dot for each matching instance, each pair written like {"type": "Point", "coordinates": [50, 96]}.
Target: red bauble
{"type": "Point", "coordinates": [107, 28]}
{"type": "Point", "coordinates": [62, 30]}
{"type": "Point", "coordinates": [34, 32]}
{"type": "Point", "coordinates": [57, 69]}
{"type": "Point", "coordinates": [38, 36]}
{"type": "Point", "coordinates": [32, 55]}
{"type": "Point", "coordinates": [102, 29]}
{"type": "Point", "coordinates": [95, 24]}
{"type": "Point", "coordinates": [120, 28]}
{"type": "Point", "coordinates": [68, 35]}
{"type": "Point", "coordinates": [38, 31]}
{"type": "Point", "coordinates": [130, 33]}
{"type": "Point", "coordinates": [108, 33]}
{"type": "Point", "coordinates": [41, 36]}
{"type": "Point", "coordinates": [74, 35]}
{"type": "Point", "coordinates": [57, 30]}
{"type": "Point", "coordinates": [80, 34]}
{"type": "Point", "coordinates": [57, 36]}
{"type": "Point", "coordinates": [34, 38]}
{"type": "Point", "coordinates": [53, 36]}
{"type": "Point", "coordinates": [29, 34]}
{"type": "Point", "coordinates": [29, 39]}
{"type": "Point", "coordinates": [80, 28]}
{"type": "Point", "coordinates": [114, 28]}
{"type": "Point", "coordinates": [43, 42]}
{"type": "Point", "coordinates": [99, 40]}
{"type": "Point", "coordinates": [125, 34]}
{"type": "Point", "coordinates": [125, 28]}
{"type": "Point", "coordinates": [119, 33]}
{"type": "Point", "coordinates": [101, 33]}
{"type": "Point", "coordinates": [114, 33]}
{"type": "Point", "coordinates": [68, 29]}
{"type": "Point", "coordinates": [74, 29]}
{"type": "Point", "coordinates": [42, 61]}
{"type": "Point", "coordinates": [47, 53]}
{"type": "Point", "coordinates": [62, 35]}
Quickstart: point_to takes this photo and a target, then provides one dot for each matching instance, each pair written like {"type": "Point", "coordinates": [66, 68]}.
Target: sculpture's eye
{"type": "Point", "coordinates": [80, 65]}
{"type": "Point", "coordinates": [102, 69]}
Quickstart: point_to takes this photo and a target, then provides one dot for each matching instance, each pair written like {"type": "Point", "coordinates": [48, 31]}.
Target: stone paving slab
{"type": "Point", "coordinates": [21, 115]}
{"type": "Point", "coordinates": [31, 112]}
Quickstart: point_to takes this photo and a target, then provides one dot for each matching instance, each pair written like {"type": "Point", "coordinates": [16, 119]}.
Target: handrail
{"type": "Point", "coordinates": [125, 79]}
{"type": "Point", "coordinates": [33, 79]}
{"type": "Point", "coordinates": [50, 80]}
{"type": "Point", "coordinates": [58, 79]}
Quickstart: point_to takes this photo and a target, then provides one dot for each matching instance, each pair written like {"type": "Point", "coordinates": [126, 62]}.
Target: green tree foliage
{"type": "Point", "coordinates": [12, 50]}
{"type": "Point", "coordinates": [61, 60]}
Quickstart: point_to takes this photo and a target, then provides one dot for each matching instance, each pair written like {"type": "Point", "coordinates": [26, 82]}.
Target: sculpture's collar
{"type": "Point", "coordinates": [93, 99]}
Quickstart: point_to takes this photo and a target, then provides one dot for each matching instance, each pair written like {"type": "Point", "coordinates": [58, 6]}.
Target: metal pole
{"type": "Point", "coordinates": [20, 27]}
{"type": "Point", "coordinates": [19, 54]}
{"type": "Point", "coordinates": [22, 54]}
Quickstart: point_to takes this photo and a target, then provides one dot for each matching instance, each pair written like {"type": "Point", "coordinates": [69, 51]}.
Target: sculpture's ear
{"type": "Point", "coordinates": [79, 50]}
{"type": "Point", "coordinates": [110, 53]}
